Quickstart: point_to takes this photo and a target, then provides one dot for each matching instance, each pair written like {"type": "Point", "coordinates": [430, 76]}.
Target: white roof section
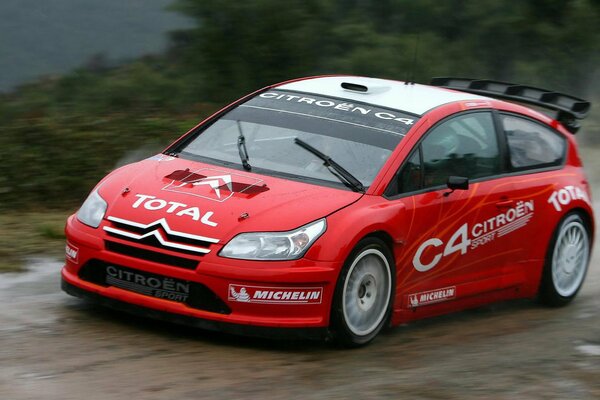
{"type": "Point", "coordinates": [412, 98]}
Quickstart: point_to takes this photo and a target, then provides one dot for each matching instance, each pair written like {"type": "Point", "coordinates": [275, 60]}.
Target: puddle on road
{"type": "Point", "coordinates": [37, 269]}
{"type": "Point", "coordinates": [589, 349]}
{"type": "Point", "coordinates": [28, 297]}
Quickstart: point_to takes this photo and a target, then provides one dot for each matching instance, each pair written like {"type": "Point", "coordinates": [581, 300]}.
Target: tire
{"type": "Point", "coordinates": [567, 261]}
{"type": "Point", "coordinates": [363, 295]}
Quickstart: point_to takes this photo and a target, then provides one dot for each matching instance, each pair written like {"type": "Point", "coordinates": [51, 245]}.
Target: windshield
{"type": "Point", "coordinates": [260, 135]}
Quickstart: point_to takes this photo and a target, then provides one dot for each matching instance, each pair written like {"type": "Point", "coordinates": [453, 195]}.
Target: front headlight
{"type": "Point", "coordinates": [92, 210]}
{"type": "Point", "coordinates": [274, 245]}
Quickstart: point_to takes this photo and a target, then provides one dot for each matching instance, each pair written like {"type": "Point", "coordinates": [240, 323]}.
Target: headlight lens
{"type": "Point", "coordinates": [92, 210]}
{"type": "Point", "coordinates": [274, 245]}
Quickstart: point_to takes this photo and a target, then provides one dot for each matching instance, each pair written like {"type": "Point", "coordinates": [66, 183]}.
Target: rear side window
{"type": "Point", "coordinates": [531, 145]}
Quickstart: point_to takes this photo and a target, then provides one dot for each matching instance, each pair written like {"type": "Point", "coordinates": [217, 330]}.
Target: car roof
{"type": "Point", "coordinates": [412, 98]}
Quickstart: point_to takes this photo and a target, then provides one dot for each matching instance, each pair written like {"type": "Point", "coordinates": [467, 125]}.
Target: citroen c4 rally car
{"type": "Point", "coordinates": [335, 206]}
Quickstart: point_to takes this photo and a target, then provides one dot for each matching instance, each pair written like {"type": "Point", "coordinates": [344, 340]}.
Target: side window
{"type": "Point", "coordinates": [465, 145]}
{"type": "Point", "coordinates": [462, 146]}
{"type": "Point", "coordinates": [531, 145]}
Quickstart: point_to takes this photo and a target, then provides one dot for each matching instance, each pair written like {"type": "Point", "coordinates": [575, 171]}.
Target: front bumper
{"type": "Point", "coordinates": [236, 329]}
{"type": "Point", "coordinates": [308, 319]}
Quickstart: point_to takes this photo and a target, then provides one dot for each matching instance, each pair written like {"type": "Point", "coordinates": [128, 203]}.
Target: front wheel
{"type": "Point", "coordinates": [363, 294]}
{"type": "Point", "coordinates": [566, 261]}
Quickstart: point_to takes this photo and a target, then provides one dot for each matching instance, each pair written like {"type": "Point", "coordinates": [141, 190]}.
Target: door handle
{"type": "Point", "coordinates": [505, 204]}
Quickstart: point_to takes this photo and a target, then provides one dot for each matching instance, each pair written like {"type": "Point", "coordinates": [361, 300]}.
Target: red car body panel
{"type": "Point", "coordinates": [502, 259]}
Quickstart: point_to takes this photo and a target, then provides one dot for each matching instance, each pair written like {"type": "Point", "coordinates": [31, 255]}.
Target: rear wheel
{"type": "Point", "coordinates": [363, 294]}
{"type": "Point", "coordinates": [566, 261]}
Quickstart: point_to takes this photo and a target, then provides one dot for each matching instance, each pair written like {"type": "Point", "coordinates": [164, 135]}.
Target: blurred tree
{"type": "Point", "coordinates": [241, 46]}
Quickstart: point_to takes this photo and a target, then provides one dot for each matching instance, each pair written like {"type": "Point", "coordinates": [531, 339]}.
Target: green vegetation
{"type": "Point", "coordinates": [60, 136]}
{"type": "Point", "coordinates": [240, 46]}
{"type": "Point", "coordinates": [28, 234]}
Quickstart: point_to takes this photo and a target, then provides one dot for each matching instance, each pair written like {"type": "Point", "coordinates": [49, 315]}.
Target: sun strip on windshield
{"type": "Point", "coordinates": [325, 118]}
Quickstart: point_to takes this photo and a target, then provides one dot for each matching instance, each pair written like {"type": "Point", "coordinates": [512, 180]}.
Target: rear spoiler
{"type": "Point", "coordinates": [570, 109]}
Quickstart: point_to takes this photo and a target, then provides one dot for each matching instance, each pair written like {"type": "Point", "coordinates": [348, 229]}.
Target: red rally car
{"type": "Point", "coordinates": [338, 205]}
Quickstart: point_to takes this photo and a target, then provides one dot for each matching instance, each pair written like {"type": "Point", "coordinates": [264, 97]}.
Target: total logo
{"type": "Point", "coordinates": [275, 295]}
{"type": "Point", "coordinates": [151, 203]}
{"type": "Point", "coordinates": [470, 237]}
{"type": "Point", "coordinates": [209, 184]}
{"type": "Point", "coordinates": [566, 195]}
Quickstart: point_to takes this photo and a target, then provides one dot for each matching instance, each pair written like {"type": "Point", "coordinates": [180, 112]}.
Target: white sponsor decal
{"type": "Point", "coordinates": [432, 296]}
{"type": "Point", "coordinates": [348, 107]}
{"type": "Point", "coordinates": [72, 253]}
{"type": "Point", "coordinates": [276, 295]}
{"type": "Point", "coordinates": [242, 296]}
{"type": "Point", "coordinates": [152, 203]}
{"type": "Point", "coordinates": [566, 195]}
{"type": "Point", "coordinates": [480, 234]}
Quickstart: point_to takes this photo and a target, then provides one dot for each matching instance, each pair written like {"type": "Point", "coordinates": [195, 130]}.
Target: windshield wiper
{"type": "Point", "coordinates": [340, 172]}
{"type": "Point", "coordinates": [241, 145]}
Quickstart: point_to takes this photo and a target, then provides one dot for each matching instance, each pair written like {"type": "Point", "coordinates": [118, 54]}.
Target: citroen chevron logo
{"type": "Point", "coordinates": [161, 223]}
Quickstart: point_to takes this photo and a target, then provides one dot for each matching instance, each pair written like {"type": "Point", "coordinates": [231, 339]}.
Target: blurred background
{"type": "Point", "coordinates": [86, 85]}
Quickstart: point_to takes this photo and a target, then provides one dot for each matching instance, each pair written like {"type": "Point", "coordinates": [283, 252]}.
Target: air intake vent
{"type": "Point", "coordinates": [195, 294]}
{"type": "Point", "coordinates": [355, 87]}
{"type": "Point", "coordinates": [148, 255]}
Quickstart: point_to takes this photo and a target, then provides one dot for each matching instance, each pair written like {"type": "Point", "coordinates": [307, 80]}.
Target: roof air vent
{"type": "Point", "coordinates": [355, 87]}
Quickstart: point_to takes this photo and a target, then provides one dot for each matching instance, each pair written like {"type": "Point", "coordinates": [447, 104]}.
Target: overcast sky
{"type": "Point", "coordinates": [41, 37]}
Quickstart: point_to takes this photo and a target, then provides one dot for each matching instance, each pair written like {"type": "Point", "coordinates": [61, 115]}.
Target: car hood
{"type": "Point", "coordinates": [214, 201]}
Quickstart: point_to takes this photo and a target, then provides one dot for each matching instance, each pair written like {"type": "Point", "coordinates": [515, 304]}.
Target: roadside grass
{"type": "Point", "coordinates": [27, 234]}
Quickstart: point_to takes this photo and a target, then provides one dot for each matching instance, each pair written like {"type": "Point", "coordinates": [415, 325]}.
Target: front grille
{"type": "Point", "coordinates": [158, 234]}
{"type": "Point", "coordinates": [198, 296]}
{"type": "Point", "coordinates": [150, 255]}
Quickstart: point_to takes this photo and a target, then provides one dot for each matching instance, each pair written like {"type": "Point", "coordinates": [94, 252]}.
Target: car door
{"type": "Point", "coordinates": [453, 242]}
{"type": "Point", "coordinates": [535, 153]}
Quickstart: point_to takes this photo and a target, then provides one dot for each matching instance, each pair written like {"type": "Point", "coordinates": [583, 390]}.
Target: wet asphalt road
{"type": "Point", "coordinates": [53, 346]}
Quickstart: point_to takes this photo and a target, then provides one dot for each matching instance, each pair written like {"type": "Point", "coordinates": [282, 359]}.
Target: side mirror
{"type": "Point", "coordinates": [457, 183]}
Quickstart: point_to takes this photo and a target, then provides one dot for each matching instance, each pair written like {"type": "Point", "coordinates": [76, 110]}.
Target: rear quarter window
{"type": "Point", "coordinates": [531, 145]}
